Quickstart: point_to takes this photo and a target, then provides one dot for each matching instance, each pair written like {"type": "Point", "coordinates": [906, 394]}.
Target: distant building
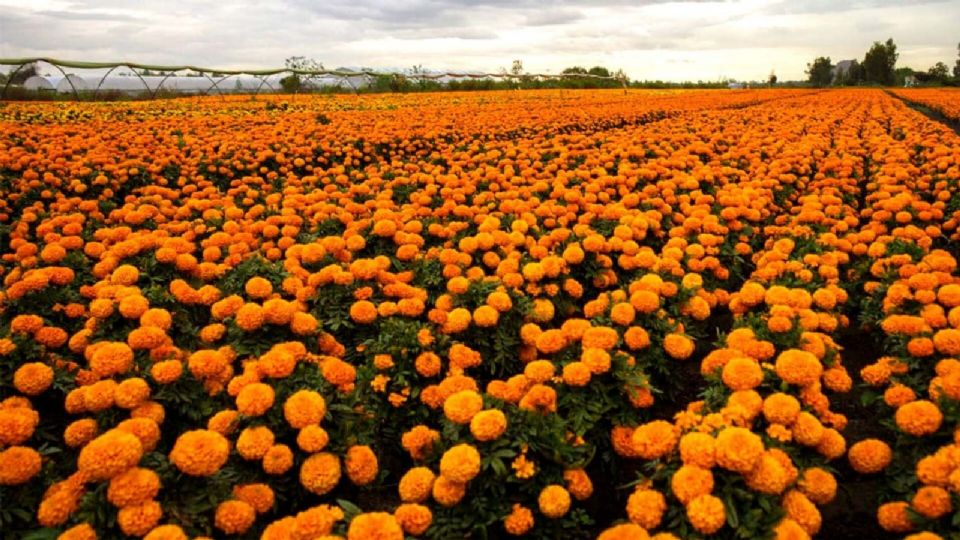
{"type": "Point", "coordinates": [910, 80]}
{"type": "Point", "coordinates": [840, 69]}
{"type": "Point", "coordinates": [735, 85]}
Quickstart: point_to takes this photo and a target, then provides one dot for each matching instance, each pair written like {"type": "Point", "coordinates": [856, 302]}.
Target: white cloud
{"type": "Point", "coordinates": [681, 40]}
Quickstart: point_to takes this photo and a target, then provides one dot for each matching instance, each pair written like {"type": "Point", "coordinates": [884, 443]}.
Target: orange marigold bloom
{"type": "Point", "coordinates": [678, 346]}
{"type": "Point", "coordinates": [254, 442]}
{"type": "Point", "coordinates": [361, 464]}
{"type": "Point", "coordinates": [460, 463]}
{"type": "Point", "coordinates": [255, 399]}
{"type": "Point", "coordinates": [259, 496]}
{"type": "Point", "coordinates": [200, 452]}
{"type": "Point", "coordinates": [742, 373]}
{"type": "Point", "coordinates": [18, 464]}
{"type": "Point", "coordinates": [870, 456]}
{"type": "Point", "coordinates": [919, 418]}
{"type": "Point", "coordinates": [893, 517]}
{"type": "Point", "coordinates": [690, 481]}
{"type": "Point", "coordinates": [375, 526]}
{"type": "Point", "coordinates": [258, 288]}
{"type": "Point", "coordinates": [932, 502]}
{"type": "Point", "coordinates": [578, 483]}
{"type": "Point", "coordinates": [488, 425]}
{"type": "Point", "coordinates": [654, 439]}
{"type": "Point", "coordinates": [415, 519]}
{"type": "Point", "coordinates": [519, 521]}
{"type": "Point", "coordinates": [551, 341]}
{"type": "Point", "coordinates": [448, 492]}
{"type": "Point", "coordinates": [109, 455]}
{"type": "Point", "coordinates": [798, 367]}
{"type": "Point", "coordinates": [134, 486]}
{"type": "Point", "coordinates": [234, 517]}
{"type": "Point", "coordinates": [138, 520]}
{"type": "Point", "coordinates": [554, 501]}
{"type": "Point", "coordinates": [706, 514]}
{"type": "Point", "coordinates": [600, 337]}
{"type": "Point", "coordinates": [278, 459]}
{"type": "Point", "coordinates": [112, 358]}
{"type": "Point", "coordinates": [33, 378]}
{"type": "Point", "coordinates": [738, 449]}
{"type": "Point", "coordinates": [320, 473]}
{"type": "Point", "coordinates": [312, 438]}
{"type": "Point", "coordinates": [800, 509]}
{"type": "Point", "coordinates": [818, 485]}
{"type": "Point", "coordinates": [646, 507]}
{"type": "Point", "coordinates": [303, 408]}
{"type": "Point", "coordinates": [698, 449]}
{"type": "Point", "coordinates": [249, 317]}
{"type": "Point", "coordinates": [416, 485]}
{"type": "Point", "coordinates": [419, 441]}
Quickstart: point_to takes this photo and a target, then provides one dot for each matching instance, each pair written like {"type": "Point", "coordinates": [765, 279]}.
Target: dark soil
{"type": "Point", "coordinates": [852, 514]}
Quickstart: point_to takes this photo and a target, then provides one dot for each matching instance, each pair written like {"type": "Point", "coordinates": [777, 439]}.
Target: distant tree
{"type": "Point", "coordinates": [772, 79]}
{"type": "Point", "coordinates": [939, 72]}
{"type": "Point", "coordinates": [25, 73]}
{"type": "Point", "coordinates": [880, 62]}
{"type": "Point", "coordinates": [293, 83]}
{"type": "Point", "coordinates": [820, 72]}
{"type": "Point", "coordinates": [517, 67]}
{"type": "Point", "coordinates": [599, 71]}
{"type": "Point", "coordinates": [575, 70]}
{"type": "Point", "coordinates": [956, 67]}
{"type": "Point", "coordinates": [853, 74]}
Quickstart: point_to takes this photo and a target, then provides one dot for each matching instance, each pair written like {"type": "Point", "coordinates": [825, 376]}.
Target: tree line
{"type": "Point", "coordinates": [879, 67]}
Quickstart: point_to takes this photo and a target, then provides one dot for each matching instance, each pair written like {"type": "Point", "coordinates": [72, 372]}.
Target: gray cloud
{"type": "Point", "coordinates": [649, 39]}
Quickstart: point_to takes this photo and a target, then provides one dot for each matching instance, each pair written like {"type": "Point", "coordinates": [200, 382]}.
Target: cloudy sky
{"type": "Point", "coordinates": [649, 39]}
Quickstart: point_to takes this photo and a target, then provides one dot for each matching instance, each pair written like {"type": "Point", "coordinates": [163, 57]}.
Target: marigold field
{"type": "Point", "coordinates": [538, 314]}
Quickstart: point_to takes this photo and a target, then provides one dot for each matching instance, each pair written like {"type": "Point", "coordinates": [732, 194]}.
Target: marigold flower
{"type": "Point", "coordinates": [259, 496]}
{"type": "Point", "coordinates": [375, 526]}
{"type": "Point", "coordinates": [519, 521]}
{"type": "Point", "coordinates": [416, 485]}
{"type": "Point", "coordinates": [33, 378]}
{"type": "Point", "coordinates": [706, 514]}
{"type": "Point", "coordinates": [798, 367]}
{"type": "Point", "coordinates": [738, 449]}
{"type": "Point", "coordinates": [255, 399]}
{"type": "Point", "coordinates": [919, 418]}
{"type": "Point", "coordinates": [689, 482]}
{"type": "Point", "coordinates": [697, 449]}
{"type": "Point", "coordinates": [654, 439]}
{"type": "Point", "coordinates": [554, 501]}
{"type": "Point", "coordinates": [139, 519]}
{"type": "Point", "coordinates": [461, 407]}
{"type": "Point", "coordinates": [893, 517]}
{"type": "Point", "coordinates": [460, 463]}
{"type": "Point", "coordinates": [18, 464]}
{"type": "Point", "coordinates": [109, 455]}
{"type": "Point", "coordinates": [134, 486]}
{"type": "Point", "coordinates": [112, 358]}
{"type": "Point", "coordinates": [361, 464]}
{"type": "Point", "coordinates": [234, 517]}
{"type": "Point", "coordinates": [646, 507]}
{"type": "Point", "coordinates": [869, 456]}
{"type": "Point", "coordinates": [320, 473]}
{"type": "Point", "coordinates": [678, 346]}
{"type": "Point", "coordinates": [254, 442]}
{"type": "Point", "coordinates": [200, 452]}
{"type": "Point", "coordinates": [415, 519]}
{"type": "Point", "coordinates": [742, 373]}
{"type": "Point", "coordinates": [303, 408]}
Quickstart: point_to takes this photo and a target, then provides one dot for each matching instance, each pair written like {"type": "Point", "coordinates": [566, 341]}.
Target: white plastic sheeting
{"type": "Point", "coordinates": [36, 82]}
{"type": "Point", "coordinates": [133, 84]}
